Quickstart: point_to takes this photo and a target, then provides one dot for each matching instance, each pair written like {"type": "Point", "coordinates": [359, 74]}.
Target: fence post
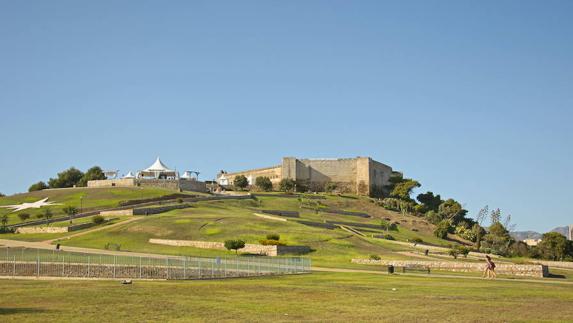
{"type": "Point", "coordinates": [184, 268]}
{"type": "Point", "coordinates": [37, 265]}
{"type": "Point", "coordinates": [63, 265]}
{"type": "Point", "coordinates": [114, 260]}
{"type": "Point", "coordinates": [167, 262]}
{"type": "Point", "coordinates": [212, 269]}
{"type": "Point", "coordinates": [14, 267]}
{"type": "Point", "coordinates": [199, 266]}
{"type": "Point", "coordinates": [139, 267]}
{"type": "Point", "coordinates": [89, 266]}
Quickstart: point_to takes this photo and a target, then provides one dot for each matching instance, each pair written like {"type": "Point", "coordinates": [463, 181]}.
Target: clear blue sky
{"type": "Point", "coordinates": [472, 98]}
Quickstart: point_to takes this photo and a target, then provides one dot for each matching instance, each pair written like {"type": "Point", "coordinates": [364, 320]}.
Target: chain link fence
{"type": "Point", "coordinates": [53, 263]}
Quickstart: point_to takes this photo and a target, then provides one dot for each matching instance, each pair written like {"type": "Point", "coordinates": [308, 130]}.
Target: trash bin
{"type": "Point", "coordinates": [390, 269]}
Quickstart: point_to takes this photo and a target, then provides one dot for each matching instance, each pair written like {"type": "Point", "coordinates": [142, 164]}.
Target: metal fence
{"type": "Point", "coordinates": [52, 263]}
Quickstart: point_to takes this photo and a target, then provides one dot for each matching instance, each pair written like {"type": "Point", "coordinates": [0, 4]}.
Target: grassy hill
{"type": "Point", "coordinates": [91, 199]}
{"type": "Point", "coordinates": [236, 219]}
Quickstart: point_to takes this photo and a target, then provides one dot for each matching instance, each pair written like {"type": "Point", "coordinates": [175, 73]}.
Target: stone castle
{"type": "Point", "coordinates": [360, 175]}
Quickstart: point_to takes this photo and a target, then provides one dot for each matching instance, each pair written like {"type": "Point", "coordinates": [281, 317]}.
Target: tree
{"type": "Point", "coordinates": [234, 245]}
{"type": "Point", "coordinates": [497, 239]}
{"type": "Point", "coordinates": [442, 229]}
{"type": "Point", "coordinates": [287, 185]}
{"type": "Point", "coordinates": [47, 215]}
{"type": "Point", "coordinates": [403, 189]}
{"type": "Point", "coordinates": [241, 182]}
{"type": "Point", "coordinates": [98, 219]}
{"type": "Point", "coordinates": [478, 229]}
{"type": "Point", "coordinates": [2, 195]}
{"type": "Point", "coordinates": [38, 186]}
{"type": "Point", "coordinates": [553, 246]}
{"type": "Point", "coordinates": [430, 201]}
{"type": "Point", "coordinates": [23, 216]}
{"type": "Point", "coordinates": [70, 211]}
{"type": "Point", "coordinates": [453, 211]}
{"type": "Point", "coordinates": [67, 178]}
{"type": "Point", "coordinates": [264, 183]}
{"type": "Point", "coordinates": [94, 173]}
{"type": "Point", "coordinates": [4, 220]}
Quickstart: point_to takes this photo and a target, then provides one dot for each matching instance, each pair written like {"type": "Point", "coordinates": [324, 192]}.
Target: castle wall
{"type": "Point", "coordinates": [273, 173]}
{"type": "Point", "coordinates": [360, 175]}
{"type": "Point", "coordinates": [122, 182]}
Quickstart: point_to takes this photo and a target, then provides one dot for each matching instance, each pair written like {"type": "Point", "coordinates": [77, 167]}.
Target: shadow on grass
{"type": "Point", "coordinates": [21, 310]}
{"type": "Point", "coordinates": [556, 276]}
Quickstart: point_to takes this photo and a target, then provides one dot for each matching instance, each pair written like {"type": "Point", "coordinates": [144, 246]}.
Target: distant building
{"type": "Point", "coordinates": [156, 175]}
{"type": "Point", "coordinates": [570, 232]}
{"type": "Point", "coordinates": [360, 175]}
{"type": "Point", "coordinates": [532, 242]}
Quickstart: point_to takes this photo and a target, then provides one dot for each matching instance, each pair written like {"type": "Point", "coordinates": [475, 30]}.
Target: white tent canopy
{"type": "Point", "coordinates": [129, 175]}
{"type": "Point", "coordinates": [159, 170]}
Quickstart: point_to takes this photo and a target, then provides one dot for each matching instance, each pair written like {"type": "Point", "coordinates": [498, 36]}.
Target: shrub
{"type": "Point", "coordinates": [287, 185]}
{"type": "Point", "coordinates": [389, 237]}
{"type": "Point", "coordinates": [417, 240]}
{"type": "Point", "coordinates": [179, 200]}
{"type": "Point", "coordinates": [330, 187]}
{"type": "Point", "coordinates": [268, 242]}
{"type": "Point", "coordinates": [98, 219]}
{"type": "Point", "coordinates": [442, 229]}
{"type": "Point", "coordinates": [24, 216]}
{"type": "Point", "coordinates": [234, 245]}
{"type": "Point", "coordinates": [375, 257]}
{"type": "Point", "coordinates": [273, 236]}
{"type": "Point", "coordinates": [112, 246]}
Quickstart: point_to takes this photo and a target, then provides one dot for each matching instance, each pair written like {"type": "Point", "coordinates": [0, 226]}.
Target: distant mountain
{"type": "Point", "coordinates": [522, 235]}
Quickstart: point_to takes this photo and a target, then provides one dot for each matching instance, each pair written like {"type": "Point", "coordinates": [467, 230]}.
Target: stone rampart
{"type": "Point", "coordinates": [122, 182]}
{"type": "Point", "coordinates": [249, 248]}
{"type": "Point", "coordinates": [456, 266]}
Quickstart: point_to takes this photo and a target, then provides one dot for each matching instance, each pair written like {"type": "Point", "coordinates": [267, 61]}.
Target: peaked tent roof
{"type": "Point", "coordinates": [158, 166]}
{"type": "Point", "coordinates": [129, 175]}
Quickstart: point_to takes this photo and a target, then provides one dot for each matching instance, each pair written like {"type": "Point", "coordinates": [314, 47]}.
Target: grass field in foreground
{"type": "Point", "coordinates": [339, 297]}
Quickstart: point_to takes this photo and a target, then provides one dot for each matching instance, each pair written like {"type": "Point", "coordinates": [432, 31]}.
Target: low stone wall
{"type": "Point", "coordinates": [505, 269]}
{"type": "Point", "coordinates": [249, 248]}
{"type": "Point", "coordinates": [556, 264]}
{"type": "Point", "coordinates": [117, 212]}
{"type": "Point", "coordinates": [32, 230]}
{"type": "Point", "coordinates": [160, 209]}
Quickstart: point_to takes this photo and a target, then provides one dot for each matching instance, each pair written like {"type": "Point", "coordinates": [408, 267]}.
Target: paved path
{"type": "Point", "coordinates": [104, 227]}
{"type": "Point", "coordinates": [384, 272]}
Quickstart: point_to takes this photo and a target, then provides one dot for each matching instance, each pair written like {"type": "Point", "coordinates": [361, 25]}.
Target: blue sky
{"type": "Point", "coordinates": [473, 99]}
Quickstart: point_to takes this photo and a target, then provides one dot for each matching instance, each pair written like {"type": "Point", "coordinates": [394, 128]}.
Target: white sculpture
{"type": "Point", "coordinates": [33, 205]}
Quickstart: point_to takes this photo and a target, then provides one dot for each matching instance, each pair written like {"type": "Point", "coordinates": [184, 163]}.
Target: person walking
{"type": "Point", "coordinates": [489, 271]}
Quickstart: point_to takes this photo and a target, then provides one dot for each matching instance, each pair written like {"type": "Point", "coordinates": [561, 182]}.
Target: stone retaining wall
{"type": "Point", "coordinates": [160, 209]}
{"type": "Point", "coordinates": [32, 230]}
{"type": "Point", "coordinates": [249, 248]}
{"type": "Point", "coordinates": [117, 212]}
{"type": "Point", "coordinates": [506, 269]}
{"type": "Point", "coordinates": [556, 264]}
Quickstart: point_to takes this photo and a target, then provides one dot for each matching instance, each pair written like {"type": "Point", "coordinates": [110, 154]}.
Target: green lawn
{"type": "Point", "coordinates": [340, 297]}
{"type": "Point", "coordinates": [92, 199]}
